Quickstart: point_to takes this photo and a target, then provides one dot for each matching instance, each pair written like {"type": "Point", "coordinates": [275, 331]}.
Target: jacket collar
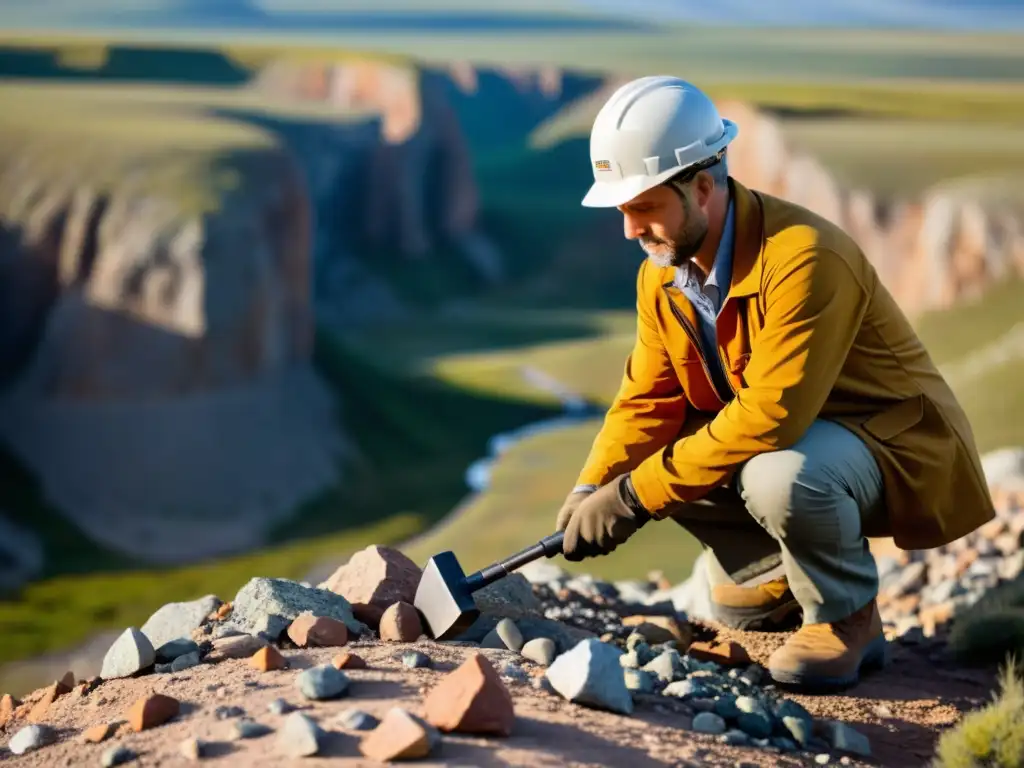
{"type": "Point", "coordinates": [748, 253]}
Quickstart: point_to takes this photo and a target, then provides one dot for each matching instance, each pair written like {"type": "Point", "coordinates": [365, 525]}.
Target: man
{"type": "Point", "coordinates": [777, 403]}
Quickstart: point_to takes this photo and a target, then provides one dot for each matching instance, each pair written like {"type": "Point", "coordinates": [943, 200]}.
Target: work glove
{"type": "Point", "coordinates": [572, 502]}
{"type": "Point", "coordinates": [604, 520]}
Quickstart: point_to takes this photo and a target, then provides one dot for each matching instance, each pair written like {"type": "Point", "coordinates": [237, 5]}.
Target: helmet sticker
{"type": "Point", "coordinates": [602, 165]}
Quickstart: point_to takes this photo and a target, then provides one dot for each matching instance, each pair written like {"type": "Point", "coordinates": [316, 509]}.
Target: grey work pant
{"type": "Point", "coordinates": [798, 512]}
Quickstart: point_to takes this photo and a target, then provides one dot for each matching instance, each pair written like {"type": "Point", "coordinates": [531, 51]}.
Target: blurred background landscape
{"type": "Point", "coordinates": [279, 280]}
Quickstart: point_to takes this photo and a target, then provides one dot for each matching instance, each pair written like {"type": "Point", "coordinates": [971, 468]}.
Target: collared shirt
{"type": "Point", "coordinates": [709, 299]}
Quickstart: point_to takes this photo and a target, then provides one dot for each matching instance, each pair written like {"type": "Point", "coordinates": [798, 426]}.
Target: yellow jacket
{"type": "Point", "coordinates": [807, 331]}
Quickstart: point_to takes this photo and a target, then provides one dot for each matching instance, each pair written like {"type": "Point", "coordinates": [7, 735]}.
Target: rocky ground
{"type": "Point", "coordinates": [557, 671]}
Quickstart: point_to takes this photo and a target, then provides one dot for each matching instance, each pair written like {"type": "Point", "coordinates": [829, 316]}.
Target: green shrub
{"type": "Point", "coordinates": [992, 737]}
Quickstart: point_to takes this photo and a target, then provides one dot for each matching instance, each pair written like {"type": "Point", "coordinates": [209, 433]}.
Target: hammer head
{"type": "Point", "coordinates": [443, 600]}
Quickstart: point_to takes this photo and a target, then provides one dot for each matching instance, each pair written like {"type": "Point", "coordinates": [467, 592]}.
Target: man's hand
{"type": "Point", "coordinates": [603, 520]}
{"type": "Point", "coordinates": [572, 502]}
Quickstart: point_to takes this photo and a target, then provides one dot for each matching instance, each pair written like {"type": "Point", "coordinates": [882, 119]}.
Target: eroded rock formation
{"type": "Point", "coordinates": [158, 360]}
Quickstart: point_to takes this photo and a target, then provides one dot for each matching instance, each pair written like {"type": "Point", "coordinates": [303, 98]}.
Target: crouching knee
{"type": "Point", "coordinates": [779, 488]}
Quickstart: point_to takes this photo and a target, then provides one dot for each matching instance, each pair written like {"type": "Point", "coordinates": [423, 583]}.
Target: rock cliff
{"type": "Point", "coordinates": [157, 352]}
{"type": "Point", "coordinates": [947, 246]}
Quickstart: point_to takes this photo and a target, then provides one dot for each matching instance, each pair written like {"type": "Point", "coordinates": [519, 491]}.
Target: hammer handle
{"type": "Point", "coordinates": [549, 546]}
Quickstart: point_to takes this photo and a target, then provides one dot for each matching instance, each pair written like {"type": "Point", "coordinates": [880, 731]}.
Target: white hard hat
{"type": "Point", "coordinates": [648, 131]}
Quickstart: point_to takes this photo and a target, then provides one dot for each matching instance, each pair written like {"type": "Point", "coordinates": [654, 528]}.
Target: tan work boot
{"type": "Point", "coordinates": [764, 607]}
{"type": "Point", "coordinates": [831, 655]}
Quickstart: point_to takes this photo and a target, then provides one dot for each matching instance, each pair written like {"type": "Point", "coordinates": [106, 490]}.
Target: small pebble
{"type": "Point", "coordinates": [822, 759]}
{"type": "Point", "coordinates": [734, 738]}
{"type": "Point", "coordinates": [322, 682]}
{"type": "Point", "coordinates": [31, 737]}
{"type": "Point", "coordinates": [416, 660]}
{"type": "Point", "coordinates": [357, 720]}
{"type": "Point", "coordinates": [280, 707]}
{"type": "Point", "coordinates": [116, 755]}
{"type": "Point", "coordinates": [247, 728]}
{"type": "Point", "coordinates": [227, 712]}
{"type": "Point", "coordinates": [300, 736]}
{"type": "Point", "coordinates": [708, 722]}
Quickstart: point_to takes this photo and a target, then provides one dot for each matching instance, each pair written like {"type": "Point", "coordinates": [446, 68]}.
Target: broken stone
{"type": "Point", "coordinates": [661, 629]}
{"type": "Point", "coordinates": [267, 659]}
{"type": "Point", "coordinates": [348, 661]}
{"type": "Point", "coordinates": [118, 754]}
{"type": "Point", "coordinates": [540, 650]}
{"type": "Point", "coordinates": [356, 720]}
{"type": "Point", "coordinates": [51, 693]}
{"type": "Point", "coordinates": [68, 680]}
{"type": "Point", "coordinates": [270, 605]}
{"type": "Point", "coordinates": [299, 736]}
{"type": "Point", "coordinates": [708, 722]}
{"type": "Point", "coordinates": [30, 738]}
{"type": "Point", "coordinates": [416, 660]}
{"type": "Point", "coordinates": [666, 666]}
{"type": "Point", "coordinates": [99, 733]}
{"type": "Point", "coordinates": [131, 653]}
{"type": "Point", "coordinates": [235, 647]}
{"type": "Point", "coordinates": [322, 682]}
{"type": "Point", "coordinates": [505, 635]}
{"type": "Point", "coordinates": [728, 653]}
{"type": "Point", "coordinates": [187, 661]}
{"type": "Point", "coordinates": [400, 623]}
{"type": "Point", "coordinates": [590, 674]}
{"type": "Point", "coordinates": [247, 728]}
{"type": "Point", "coordinates": [7, 706]}
{"type": "Point", "coordinates": [308, 631]}
{"type": "Point", "coordinates": [471, 699]}
{"type": "Point", "coordinates": [173, 649]}
{"type": "Point", "coordinates": [176, 620]}
{"type": "Point", "coordinates": [399, 736]}
{"type": "Point", "coordinates": [377, 576]}
{"type": "Point", "coordinates": [151, 711]}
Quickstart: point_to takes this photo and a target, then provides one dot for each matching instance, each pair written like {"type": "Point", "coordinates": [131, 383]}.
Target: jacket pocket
{"type": "Point", "coordinates": [896, 419]}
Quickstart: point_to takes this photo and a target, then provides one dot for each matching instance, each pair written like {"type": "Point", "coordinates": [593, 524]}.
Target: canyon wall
{"type": "Point", "coordinates": [157, 357]}
{"type": "Point", "coordinates": [947, 246]}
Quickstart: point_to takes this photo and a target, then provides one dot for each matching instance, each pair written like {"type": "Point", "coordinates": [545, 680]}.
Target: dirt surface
{"type": "Point", "coordinates": [902, 711]}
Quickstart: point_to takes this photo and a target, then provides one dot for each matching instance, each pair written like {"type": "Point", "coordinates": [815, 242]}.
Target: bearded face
{"type": "Point", "coordinates": [678, 247]}
{"type": "Point", "coordinates": [668, 224]}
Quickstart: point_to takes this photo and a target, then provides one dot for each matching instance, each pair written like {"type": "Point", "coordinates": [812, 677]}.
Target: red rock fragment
{"type": "Point", "coordinates": [471, 699]}
{"type": "Point", "coordinates": [348, 661]}
{"type": "Point", "coordinates": [307, 630]}
{"type": "Point", "coordinates": [100, 733]}
{"type": "Point", "coordinates": [728, 653]}
{"type": "Point", "coordinates": [377, 575]}
{"type": "Point", "coordinates": [268, 659]}
{"type": "Point", "coordinates": [151, 711]}
{"type": "Point", "coordinates": [399, 736]}
{"type": "Point", "coordinates": [8, 705]}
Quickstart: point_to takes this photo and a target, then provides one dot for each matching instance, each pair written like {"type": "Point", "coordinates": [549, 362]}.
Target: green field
{"type": "Point", "coordinates": [422, 398]}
